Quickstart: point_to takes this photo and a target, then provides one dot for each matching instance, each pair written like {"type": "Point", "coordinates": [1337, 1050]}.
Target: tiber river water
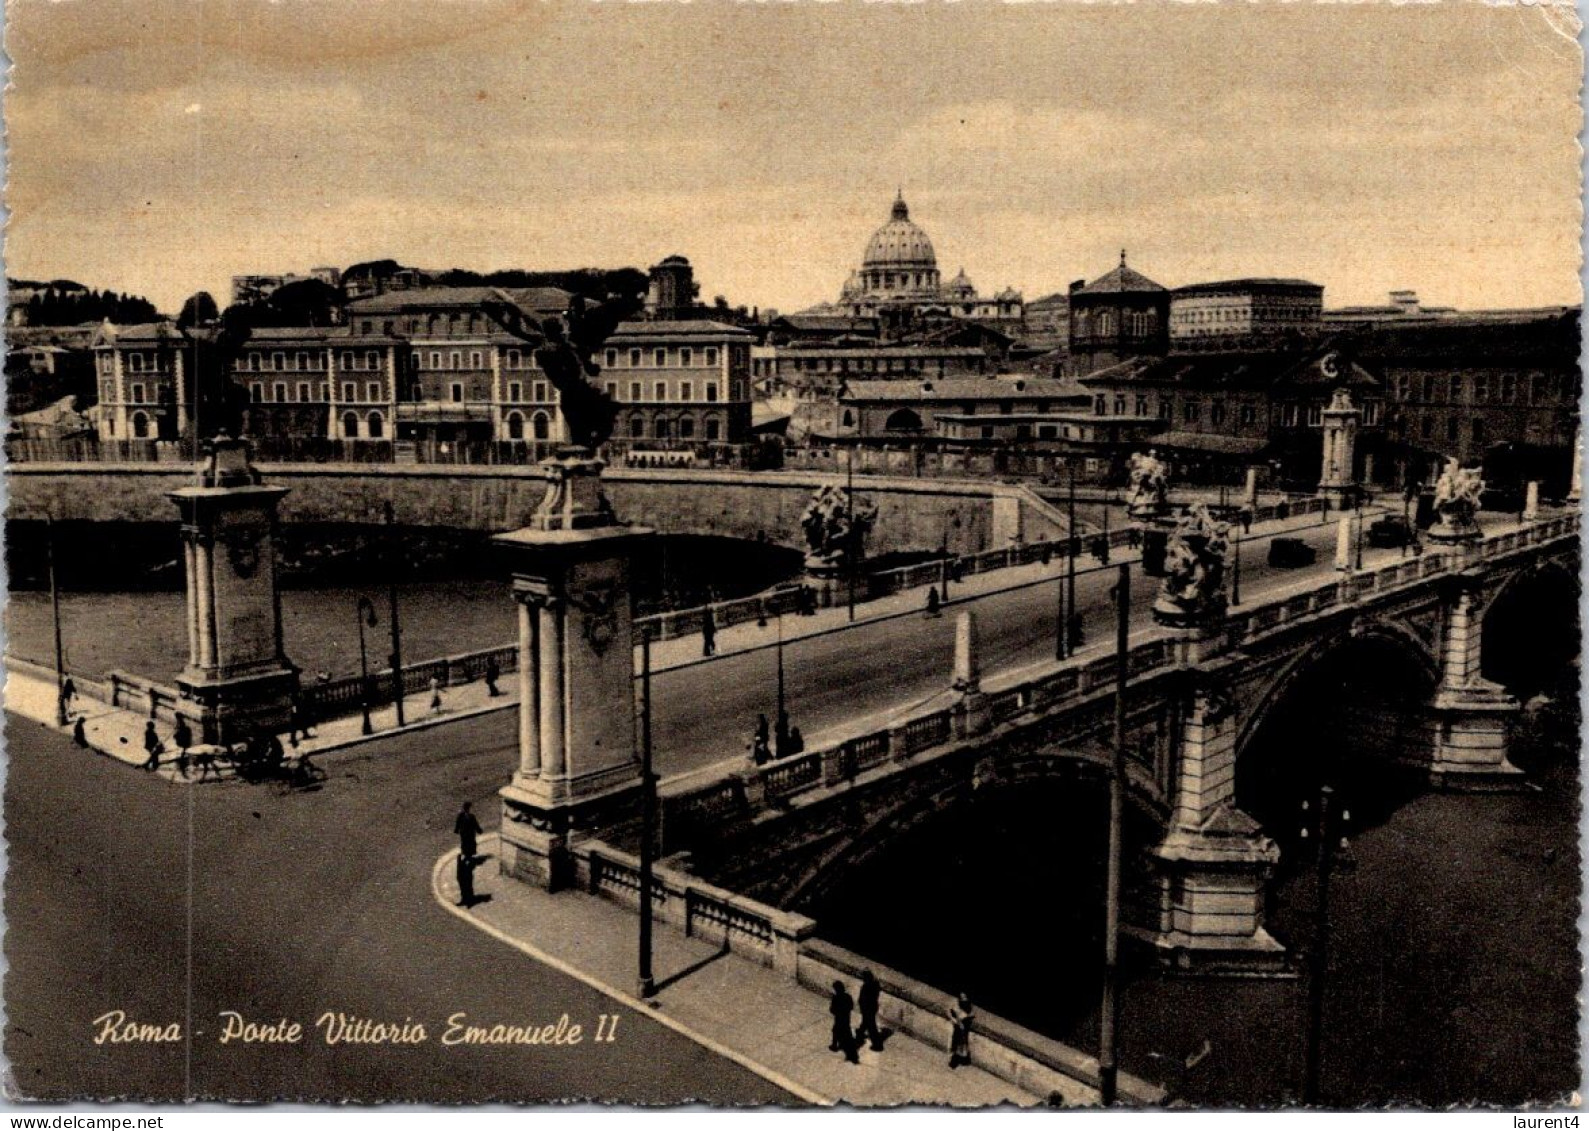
{"type": "Point", "coordinates": [122, 600]}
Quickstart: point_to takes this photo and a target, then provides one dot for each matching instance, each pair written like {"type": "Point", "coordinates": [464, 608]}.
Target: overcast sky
{"type": "Point", "coordinates": [160, 146]}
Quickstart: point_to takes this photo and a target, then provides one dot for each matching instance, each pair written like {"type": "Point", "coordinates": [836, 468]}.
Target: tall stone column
{"type": "Point", "coordinates": [1336, 480]}
{"type": "Point", "coordinates": [553, 737]}
{"type": "Point", "coordinates": [1214, 862]}
{"type": "Point", "coordinates": [238, 680]}
{"type": "Point", "coordinates": [1470, 716]}
{"type": "Point", "coordinates": [529, 690]}
{"type": "Point", "coordinates": [578, 769]}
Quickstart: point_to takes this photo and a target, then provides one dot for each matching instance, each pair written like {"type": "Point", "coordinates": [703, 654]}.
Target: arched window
{"type": "Point", "coordinates": [515, 426]}
{"type": "Point", "coordinates": [662, 427]}
{"type": "Point", "coordinates": [376, 426]}
{"type": "Point", "coordinates": [849, 419]}
{"type": "Point", "coordinates": [686, 427]}
{"type": "Point", "coordinates": [903, 420]}
{"type": "Point", "coordinates": [714, 428]}
{"type": "Point", "coordinates": [140, 426]}
{"type": "Point", "coordinates": [350, 426]}
{"type": "Point", "coordinates": [637, 427]}
{"type": "Point", "coordinates": [542, 425]}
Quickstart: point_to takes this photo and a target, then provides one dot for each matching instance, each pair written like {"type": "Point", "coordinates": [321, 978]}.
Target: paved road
{"type": "Point", "coordinates": [832, 679]}
{"type": "Point", "coordinates": [126, 892]}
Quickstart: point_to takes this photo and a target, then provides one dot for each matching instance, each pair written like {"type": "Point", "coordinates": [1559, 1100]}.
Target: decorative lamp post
{"type": "Point", "coordinates": [365, 613]}
{"type": "Point", "coordinates": [1332, 851]}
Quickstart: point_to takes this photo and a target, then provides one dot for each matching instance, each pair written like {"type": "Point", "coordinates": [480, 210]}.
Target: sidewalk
{"type": "Point", "coordinates": [683, 651]}
{"type": "Point", "coordinates": [731, 1006]}
{"type": "Point", "coordinates": [118, 733]}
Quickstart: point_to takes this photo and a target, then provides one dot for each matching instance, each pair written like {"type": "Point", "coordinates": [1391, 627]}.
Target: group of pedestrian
{"type": "Point", "coordinates": [848, 1040]}
{"type": "Point", "coordinates": [845, 1039]}
{"type": "Point", "coordinates": [765, 746]}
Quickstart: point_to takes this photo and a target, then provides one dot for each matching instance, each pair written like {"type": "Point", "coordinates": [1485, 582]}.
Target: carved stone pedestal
{"type": "Point", "coordinates": [1471, 732]}
{"type": "Point", "coordinates": [1212, 902]}
{"type": "Point", "coordinates": [237, 682]}
{"type": "Point", "coordinates": [578, 765]}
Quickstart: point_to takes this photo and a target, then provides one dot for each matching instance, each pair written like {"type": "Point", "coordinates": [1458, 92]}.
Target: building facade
{"type": "Point", "coordinates": [683, 382]}
{"type": "Point", "coordinates": [1118, 316]}
{"type": "Point", "coordinates": [142, 379]}
{"type": "Point", "coordinates": [1244, 311]}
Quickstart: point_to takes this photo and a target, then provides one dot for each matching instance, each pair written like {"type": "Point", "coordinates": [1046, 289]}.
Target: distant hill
{"type": "Point", "coordinates": [66, 302]}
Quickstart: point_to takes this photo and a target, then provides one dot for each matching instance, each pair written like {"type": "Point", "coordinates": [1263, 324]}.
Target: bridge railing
{"type": "Point", "coordinates": [346, 696]}
{"type": "Point", "coordinates": [700, 910]}
{"type": "Point", "coordinates": [747, 790]}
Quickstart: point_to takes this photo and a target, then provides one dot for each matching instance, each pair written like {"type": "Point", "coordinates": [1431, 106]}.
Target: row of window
{"type": "Point", "coordinates": [1480, 388]}
{"type": "Point", "coordinates": [1192, 411]}
{"type": "Point", "coordinates": [1244, 314]}
{"type": "Point", "coordinates": [664, 428]}
{"type": "Point", "coordinates": [261, 393]}
{"type": "Point", "coordinates": [685, 355]}
{"type": "Point", "coordinates": [1137, 323]}
{"type": "Point", "coordinates": [905, 366]}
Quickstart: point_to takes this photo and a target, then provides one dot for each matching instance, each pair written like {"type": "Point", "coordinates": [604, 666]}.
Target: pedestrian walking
{"type": "Point", "coordinates": [961, 1015]}
{"type": "Point", "coordinates": [761, 729]}
{"type": "Point", "coordinates": [867, 1001]}
{"type": "Point", "coordinates": [78, 734]}
{"type": "Point", "coordinates": [708, 632]}
{"type": "Point", "coordinates": [182, 738]}
{"type": "Point", "coordinates": [68, 695]}
{"type": "Point", "coordinates": [152, 746]}
{"type": "Point", "coordinates": [435, 695]}
{"type": "Point", "coordinates": [934, 605]}
{"type": "Point", "coordinates": [841, 1005]}
{"type": "Point", "coordinates": [466, 867]}
{"type": "Point", "coordinates": [797, 742]}
{"type": "Point", "coordinates": [760, 755]}
{"type": "Point", "coordinates": [300, 721]}
{"type": "Point", "coordinates": [492, 672]}
{"type": "Point", "coordinates": [1246, 520]}
{"type": "Point", "coordinates": [467, 826]}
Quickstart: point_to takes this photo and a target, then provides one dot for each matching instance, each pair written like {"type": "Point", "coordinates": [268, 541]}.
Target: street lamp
{"type": "Point", "coordinates": [55, 617]}
{"type": "Point", "coordinates": [1072, 548]}
{"type": "Point", "coordinates": [1235, 572]}
{"type": "Point", "coordinates": [781, 734]}
{"type": "Point", "coordinates": [1109, 1014]}
{"type": "Point", "coordinates": [397, 631]}
{"type": "Point", "coordinates": [648, 818]}
{"type": "Point", "coordinates": [364, 610]}
{"type": "Point", "coordinates": [1331, 850]}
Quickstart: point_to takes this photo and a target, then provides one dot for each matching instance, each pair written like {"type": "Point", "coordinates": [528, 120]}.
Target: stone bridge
{"type": "Point", "coordinates": [966, 517]}
{"type": "Point", "coordinates": [1392, 656]}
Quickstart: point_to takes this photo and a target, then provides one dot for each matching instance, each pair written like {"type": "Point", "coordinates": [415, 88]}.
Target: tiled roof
{"type": "Point", "coordinates": [698, 327]}
{"type": "Point", "coordinates": [1324, 367]}
{"type": "Point", "coordinates": [1120, 280]}
{"type": "Point", "coordinates": [1225, 285]}
{"type": "Point", "coordinates": [961, 389]}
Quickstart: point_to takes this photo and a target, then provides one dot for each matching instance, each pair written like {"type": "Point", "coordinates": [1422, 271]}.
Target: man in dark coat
{"type": "Point", "coordinates": [708, 632]}
{"type": "Point", "coordinates": [151, 746]}
{"type": "Point", "coordinates": [467, 828]}
{"type": "Point", "coordinates": [840, 1005]}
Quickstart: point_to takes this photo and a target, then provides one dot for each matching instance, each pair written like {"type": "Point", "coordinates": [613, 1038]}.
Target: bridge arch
{"type": "Point", "coordinates": [1530, 628]}
{"type": "Point", "coordinates": [1347, 712]}
{"type": "Point", "coordinates": [874, 828]}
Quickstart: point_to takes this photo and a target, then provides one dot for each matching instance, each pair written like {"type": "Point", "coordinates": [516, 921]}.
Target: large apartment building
{"type": "Point", "coordinates": [433, 365]}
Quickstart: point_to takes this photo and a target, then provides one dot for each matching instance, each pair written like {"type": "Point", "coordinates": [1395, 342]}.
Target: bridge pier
{"type": "Point", "coordinates": [1214, 862]}
{"type": "Point", "coordinates": [1470, 717]}
{"type": "Point", "coordinates": [577, 770]}
{"type": "Point", "coordinates": [237, 681]}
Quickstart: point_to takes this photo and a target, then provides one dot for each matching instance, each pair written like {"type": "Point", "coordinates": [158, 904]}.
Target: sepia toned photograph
{"type": "Point", "coordinates": [802, 555]}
